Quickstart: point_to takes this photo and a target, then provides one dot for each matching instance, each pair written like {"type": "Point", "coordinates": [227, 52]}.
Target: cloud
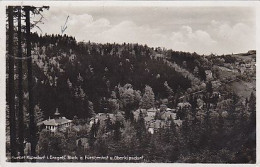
{"type": "Point", "coordinates": [194, 41]}
{"type": "Point", "coordinates": [129, 32]}
{"type": "Point", "coordinates": [126, 31]}
{"type": "Point", "coordinates": [213, 36]}
{"type": "Point", "coordinates": [233, 38]}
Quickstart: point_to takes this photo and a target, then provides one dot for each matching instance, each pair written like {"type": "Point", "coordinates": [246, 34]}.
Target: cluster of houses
{"type": "Point", "coordinates": [157, 118]}
{"type": "Point", "coordinates": [154, 119]}
{"type": "Point", "coordinates": [246, 68]}
{"type": "Point", "coordinates": [102, 117]}
{"type": "Point", "coordinates": [245, 63]}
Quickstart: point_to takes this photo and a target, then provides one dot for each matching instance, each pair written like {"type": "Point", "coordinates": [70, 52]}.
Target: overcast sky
{"type": "Point", "coordinates": [204, 30]}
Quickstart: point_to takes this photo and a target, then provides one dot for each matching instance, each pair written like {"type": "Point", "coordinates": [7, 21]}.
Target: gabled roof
{"type": "Point", "coordinates": [55, 122]}
{"type": "Point", "coordinates": [50, 122]}
{"type": "Point", "coordinates": [62, 120]}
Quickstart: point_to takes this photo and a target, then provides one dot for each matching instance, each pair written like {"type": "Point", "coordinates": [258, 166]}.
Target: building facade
{"type": "Point", "coordinates": [57, 122]}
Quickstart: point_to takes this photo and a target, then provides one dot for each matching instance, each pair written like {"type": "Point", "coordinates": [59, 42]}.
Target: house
{"type": "Point", "coordinates": [136, 113]}
{"type": "Point", "coordinates": [184, 105]}
{"type": "Point", "coordinates": [163, 107]}
{"type": "Point", "coordinates": [56, 123]}
{"type": "Point", "coordinates": [158, 118]}
{"type": "Point", "coordinates": [98, 117]}
{"type": "Point", "coordinates": [102, 117]}
{"type": "Point", "coordinates": [151, 114]}
{"type": "Point", "coordinates": [166, 115]}
{"type": "Point", "coordinates": [169, 115]}
{"type": "Point", "coordinates": [164, 120]}
{"type": "Point", "coordinates": [148, 120]}
{"type": "Point", "coordinates": [155, 125]}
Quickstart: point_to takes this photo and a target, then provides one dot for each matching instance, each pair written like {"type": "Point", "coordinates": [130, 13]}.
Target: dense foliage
{"type": "Point", "coordinates": [84, 78]}
{"type": "Point", "coordinates": [68, 70]}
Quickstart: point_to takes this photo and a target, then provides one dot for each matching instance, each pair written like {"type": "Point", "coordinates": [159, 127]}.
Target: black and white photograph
{"type": "Point", "coordinates": [120, 83]}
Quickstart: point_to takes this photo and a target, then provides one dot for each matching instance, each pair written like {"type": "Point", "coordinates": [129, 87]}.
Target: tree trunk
{"type": "Point", "coordinates": [20, 88]}
{"type": "Point", "coordinates": [32, 125]}
{"type": "Point", "coordinates": [12, 119]}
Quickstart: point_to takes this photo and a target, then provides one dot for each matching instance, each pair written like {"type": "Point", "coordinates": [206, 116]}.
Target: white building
{"type": "Point", "coordinates": [57, 122]}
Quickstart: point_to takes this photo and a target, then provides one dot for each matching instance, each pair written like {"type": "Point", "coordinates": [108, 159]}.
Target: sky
{"type": "Point", "coordinates": [205, 30]}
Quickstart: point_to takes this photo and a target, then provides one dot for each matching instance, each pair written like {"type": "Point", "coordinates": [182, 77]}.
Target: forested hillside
{"type": "Point", "coordinates": [213, 123]}
{"type": "Point", "coordinates": [67, 69]}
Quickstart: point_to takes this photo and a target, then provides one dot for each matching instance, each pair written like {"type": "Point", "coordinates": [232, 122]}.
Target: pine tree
{"type": "Point", "coordinates": [209, 87]}
{"type": "Point", "coordinates": [174, 142]}
{"type": "Point", "coordinates": [141, 133]}
{"type": "Point", "coordinates": [93, 134]}
{"type": "Point", "coordinates": [20, 88]}
{"type": "Point", "coordinates": [194, 105]}
{"type": "Point", "coordinates": [170, 94]}
{"type": "Point", "coordinates": [252, 110]}
{"type": "Point", "coordinates": [117, 132]}
{"type": "Point", "coordinates": [38, 114]}
{"type": "Point", "coordinates": [30, 81]}
{"type": "Point", "coordinates": [11, 102]}
{"type": "Point", "coordinates": [108, 124]}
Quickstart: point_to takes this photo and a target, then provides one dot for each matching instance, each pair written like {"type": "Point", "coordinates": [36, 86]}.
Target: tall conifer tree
{"type": "Point", "coordinates": [12, 114]}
